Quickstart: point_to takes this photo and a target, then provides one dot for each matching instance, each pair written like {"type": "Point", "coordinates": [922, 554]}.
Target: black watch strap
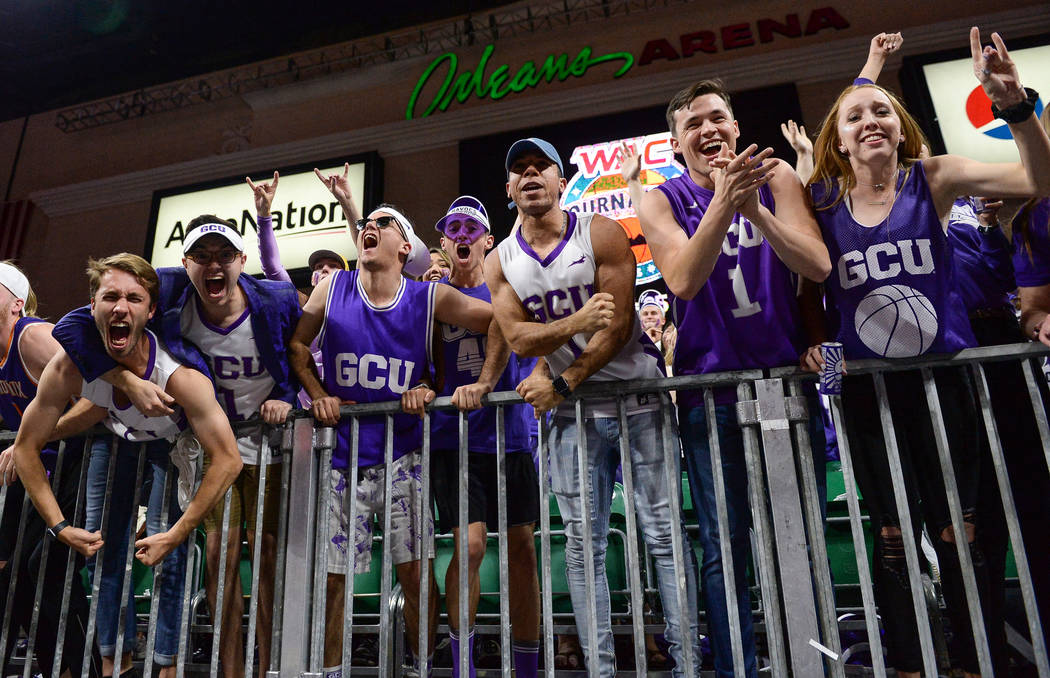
{"type": "Point", "coordinates": [55, 529]}
{"type": "Point", "coordinates": [561, 387]}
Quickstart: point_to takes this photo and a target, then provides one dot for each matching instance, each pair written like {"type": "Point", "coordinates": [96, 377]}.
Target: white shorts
{"type": "Point", "coordinates": [406, 497]}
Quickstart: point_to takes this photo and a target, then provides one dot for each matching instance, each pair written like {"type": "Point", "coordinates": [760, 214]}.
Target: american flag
{"type": "Point", "coordinates": [14, 222]}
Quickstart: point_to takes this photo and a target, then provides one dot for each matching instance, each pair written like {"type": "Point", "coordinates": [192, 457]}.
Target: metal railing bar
{"type": "Point", "coordinates": [633, 560]}
{"type": "Point", "coordinates": [762, 524]}
{"type": "Point", "coordinates": [129, 559]}
{"type": "Point", "coordinates": [860, 549]}
{"type": "Point", "coordinates": [256, 564]}
{"type": "Point", "coordinates": [818, 544]}
{"type": "Point", "coordinates": [545, 549]}
{"type": "Point", "coordinates": [590, 575]}
{"type": "Point", "coordinates": [154, 603]}
{"type": "Point", "coordinates": [672, 453]}
{"type": "Point", "coordinates": [725, 536]}
{"type": "Point", "coordinates": [1013, 524]}
{"type": "Point", "coordinates": [501, 517]}
{"type": "Point", "coordinates": [911, 553]}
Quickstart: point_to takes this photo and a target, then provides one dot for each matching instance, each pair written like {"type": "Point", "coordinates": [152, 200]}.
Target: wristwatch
{"type": "Point", "coordinates": [561, 387]}
{"type": "Point", "coordinates": [55, 529]}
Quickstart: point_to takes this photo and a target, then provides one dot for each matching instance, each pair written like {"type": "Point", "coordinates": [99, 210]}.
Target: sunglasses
{"type": "Point", "coordinates": [204, 258]}
{"type": "Point", "coordinates": [381, 222]}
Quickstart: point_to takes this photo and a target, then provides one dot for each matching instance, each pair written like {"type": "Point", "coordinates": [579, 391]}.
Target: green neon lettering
{"type": "Point", "coordinates": [496, 86]}
{"type": "Point", "coordinates": [453, 61]}
{"type": "Point", "coordinates": [495, 80]}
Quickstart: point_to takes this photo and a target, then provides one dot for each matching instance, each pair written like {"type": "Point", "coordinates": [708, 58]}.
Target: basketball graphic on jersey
{"type": "Point", "coordinates": [896, 321]}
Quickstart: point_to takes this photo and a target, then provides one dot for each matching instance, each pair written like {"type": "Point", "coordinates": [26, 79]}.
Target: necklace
{"type": "Point", "coordinates": [878, 188]}
{"type": "Point", "coordinates": [564, 224]}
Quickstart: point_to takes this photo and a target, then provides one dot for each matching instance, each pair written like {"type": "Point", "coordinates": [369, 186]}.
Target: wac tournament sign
{"type": "Point", "coordinates": [598, 187]}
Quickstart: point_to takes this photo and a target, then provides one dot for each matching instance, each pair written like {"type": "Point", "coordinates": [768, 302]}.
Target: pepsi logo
{"type": "Point", "coordinates": [979, 113]}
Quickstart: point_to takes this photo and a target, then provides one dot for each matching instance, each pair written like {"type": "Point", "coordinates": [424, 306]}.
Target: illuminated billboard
{"type": "Point", "coordinates": [963, 111]}
{"type": "Point", "coordinates": [306, 217]}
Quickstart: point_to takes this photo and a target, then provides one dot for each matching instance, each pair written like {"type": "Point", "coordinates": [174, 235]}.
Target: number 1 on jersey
{"type": "Point", "coordinates": [744, 306]}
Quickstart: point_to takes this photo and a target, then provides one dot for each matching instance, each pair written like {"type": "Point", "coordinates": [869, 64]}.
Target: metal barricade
{"type": "Point", "coordinates": [798, 609]}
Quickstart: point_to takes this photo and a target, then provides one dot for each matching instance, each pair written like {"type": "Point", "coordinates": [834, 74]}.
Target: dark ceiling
{"type": "Point", "coordinates": [56, 53]}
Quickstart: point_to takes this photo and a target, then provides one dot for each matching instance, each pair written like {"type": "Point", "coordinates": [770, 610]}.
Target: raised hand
{"type": "Point", "coordinates": [996, 71]}
{"type": "Point", "coordinates": [797, 137]}
{"type": "Point", "coordinates": [264, 194]}
{"type": "Point", "coordinates": [737, 178]}
{"type": "Point", "coordinates": [338, 184]}
{"type": "Point", "coordinates": [631, 166]}
{"type": "Point", "coordinates": [885, 44]}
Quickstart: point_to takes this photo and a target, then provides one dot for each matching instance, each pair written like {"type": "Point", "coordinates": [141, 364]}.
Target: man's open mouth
{"type": "Point", "coordinates": [119, 333]}
{"type": "Point", "coordinates": [369, 240]}
{"type": "Point", "coordinates": [711, 148]}
{"type": "Point", "coordinates": [215, 285]}
{"type": "Point", "coordinates": [463, 251]}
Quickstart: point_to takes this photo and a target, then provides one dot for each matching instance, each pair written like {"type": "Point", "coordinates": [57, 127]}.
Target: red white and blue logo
{"type": "Point", "coordinates": [979, 112]}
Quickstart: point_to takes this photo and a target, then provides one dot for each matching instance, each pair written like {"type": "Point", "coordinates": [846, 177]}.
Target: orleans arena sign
{"type": "Point", "coordinates": [445, 82]}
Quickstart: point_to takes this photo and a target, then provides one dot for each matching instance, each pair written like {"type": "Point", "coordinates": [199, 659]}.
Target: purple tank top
{"type": "Point", "coordinates": [464, 354]}
{"type": "Point", "coordinates": [892, 290]}
{"type": "Point", "coordinates": [374, 354]}
{"type": "Point", "coordinates": [746, 314]}
{"type": "Point", "coordinates": [18, 388]}
{"type": "Point", "coordinates": [1032, 253]}
{"type": "Point", "coordinates": [983, 269]}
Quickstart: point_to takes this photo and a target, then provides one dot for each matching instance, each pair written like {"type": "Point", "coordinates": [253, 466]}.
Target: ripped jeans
{"type": "Point", "coordinates": [927, 503]}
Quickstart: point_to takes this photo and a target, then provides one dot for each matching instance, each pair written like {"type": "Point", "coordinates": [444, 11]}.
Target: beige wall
{"type": "Point", "coordinates": [422, 181]}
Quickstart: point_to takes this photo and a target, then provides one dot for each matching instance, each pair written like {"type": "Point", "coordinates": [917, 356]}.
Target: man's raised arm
{"type": "Point", "coordinates": [528, 338]}
{"type": "Point", "coordinates": [59, 382]}
{"type": "Point", "coordinates": [195, 394]}
{"type": "Point", "coordinates": [324, 407]}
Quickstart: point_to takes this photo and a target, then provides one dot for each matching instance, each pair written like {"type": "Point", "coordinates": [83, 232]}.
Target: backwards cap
{"type": "Point", "coordinates": [15, 281]}
{"type": "Point", "coordinates": [419, 258]}
{"type": "Point", "coordinates": [653, 298]}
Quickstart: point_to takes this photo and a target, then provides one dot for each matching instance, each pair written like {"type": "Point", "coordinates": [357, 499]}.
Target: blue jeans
{"type": "Point", "coordinates": [169, 586]}
{"type": "Point", "coordinates": [653, 507]}
{"type": "Point", "coordinates": [734, 470]}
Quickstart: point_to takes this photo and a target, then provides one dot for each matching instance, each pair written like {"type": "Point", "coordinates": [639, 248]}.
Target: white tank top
{"type": "Point", "coordinates": [557, 286]}
{"type": "Point", "coordinates": [127, 422]}
{"type": "Point", "coordinates": [242, 382]}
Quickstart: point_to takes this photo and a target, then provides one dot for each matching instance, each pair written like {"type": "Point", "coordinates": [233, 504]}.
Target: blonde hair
{"type": "Point", "coordinates": [831, 167]}
{"type": "Point", "coordinates": [129, 263]}
{"type": "Point", "coordinates": [29, 308]}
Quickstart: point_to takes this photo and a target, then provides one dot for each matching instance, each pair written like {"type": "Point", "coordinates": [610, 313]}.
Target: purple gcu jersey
{"type": "Point", "coordinates": [464, 354]}
{"type": "Point", "coordinates": [983, 270]}
{"type": "Point", "coordinates": [374, 354]}
{"type": "Point", "coordinates": [18, 388]}
{"type": "Point", "coordinates": [746, 314]}
{"type": "Point", "coordinates": [1032, 245]}
{"type": "Point", "coordinates": [891, 292]}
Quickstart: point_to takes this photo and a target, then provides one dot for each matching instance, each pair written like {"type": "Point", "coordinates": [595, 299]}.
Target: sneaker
{"type": "Point", "coordinates": [187, 458]}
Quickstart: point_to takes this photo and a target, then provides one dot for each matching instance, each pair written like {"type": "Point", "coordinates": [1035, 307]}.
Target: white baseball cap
{"type": "Point", "coordinates": [419, 258]}
{"type": "Point", "coordinates": [231, 235]}
{"type": "Point", "coordinates": [14, 280]}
